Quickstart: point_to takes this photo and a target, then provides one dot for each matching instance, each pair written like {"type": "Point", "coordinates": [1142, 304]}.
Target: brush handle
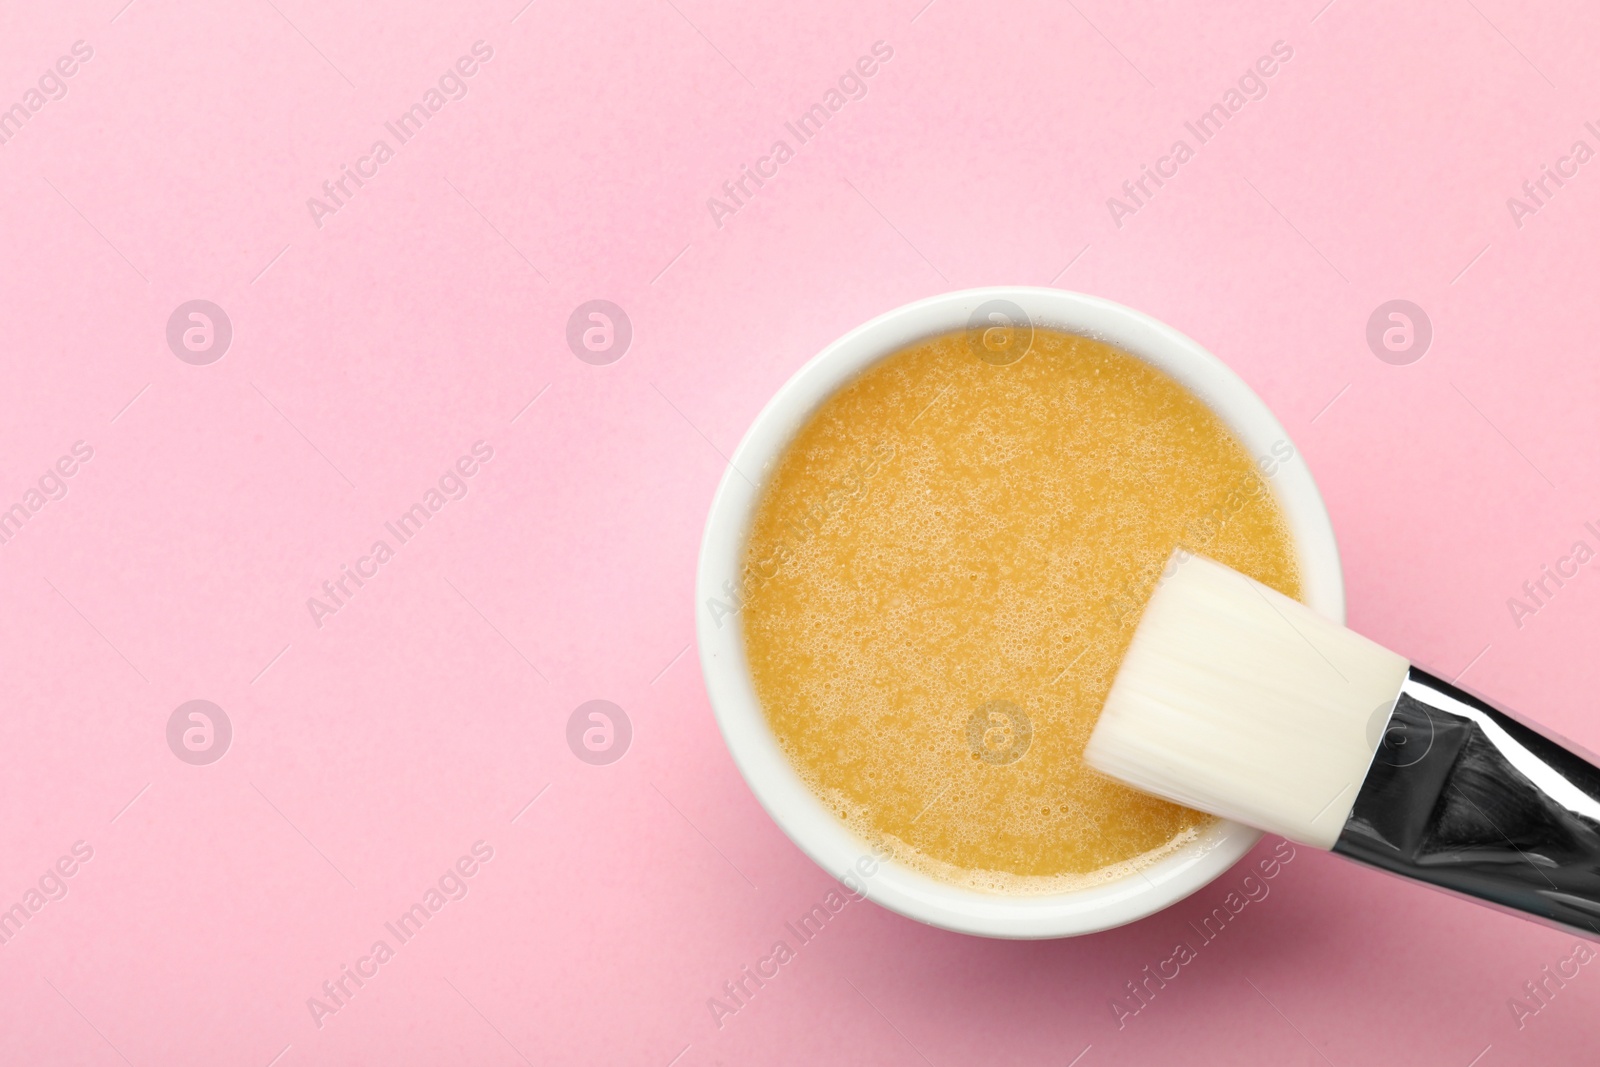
{"type": "Point", "coordinates": [1463, 796]}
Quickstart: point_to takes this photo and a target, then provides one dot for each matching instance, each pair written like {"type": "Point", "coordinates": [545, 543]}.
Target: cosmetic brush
{"type": "Point", "coordinates": [1239, 701]}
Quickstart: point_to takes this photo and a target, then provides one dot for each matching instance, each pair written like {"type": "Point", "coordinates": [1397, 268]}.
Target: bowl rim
{"type": "Point", "coordinates": [718, 626]}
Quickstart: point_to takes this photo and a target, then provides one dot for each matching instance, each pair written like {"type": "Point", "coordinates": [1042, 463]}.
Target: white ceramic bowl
{"type": "Point", "coordinates": [722, 658]}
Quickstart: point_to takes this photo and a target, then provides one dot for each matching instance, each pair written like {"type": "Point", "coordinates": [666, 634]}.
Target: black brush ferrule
{"type": "Point", "coordinates": [1466, 798]}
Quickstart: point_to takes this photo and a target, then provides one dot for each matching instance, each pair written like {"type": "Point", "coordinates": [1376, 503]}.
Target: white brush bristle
{"type": "Point", "coordinates": [1236, 700]}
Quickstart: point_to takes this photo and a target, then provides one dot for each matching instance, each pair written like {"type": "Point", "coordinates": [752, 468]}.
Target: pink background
{"type": "Point", "coordinates": [369, 353]}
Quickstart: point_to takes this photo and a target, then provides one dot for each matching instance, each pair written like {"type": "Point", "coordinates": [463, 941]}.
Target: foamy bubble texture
{"type": "Point", "coordinates": [944, 534]}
